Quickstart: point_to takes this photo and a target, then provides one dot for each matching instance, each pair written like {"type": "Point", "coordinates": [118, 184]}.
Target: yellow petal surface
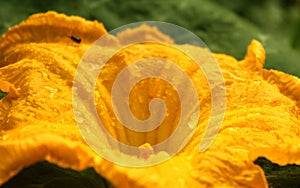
{"type": "Point", "coordinates": [38, 60]}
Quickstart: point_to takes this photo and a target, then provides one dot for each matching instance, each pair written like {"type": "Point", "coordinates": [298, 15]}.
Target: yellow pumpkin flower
{"type": "Point", "coordinates": [38, 61]}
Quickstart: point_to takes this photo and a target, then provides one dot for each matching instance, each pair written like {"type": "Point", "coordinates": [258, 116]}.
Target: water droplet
{"type": "Point", "coordinates": [94, 66]}
{"type": "Point", "coordinates": [243, 98]}
{"type": "Point", "coordinates": [45, 75]}
{"type": "Point", "coordinates": [52, 91]}
{"type": "Point", "coordinates": [79, 119]}
{"type": "Point", "coordinates": [257, 82]}
{"type": "Point", "coordinates": [4, 137]}
{"type": "Point", "coordinates": [253, 114]}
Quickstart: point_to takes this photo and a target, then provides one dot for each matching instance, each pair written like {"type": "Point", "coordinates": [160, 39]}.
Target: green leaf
{"type": "Point", "coordinates": [47, 175]}
{"type": "Point", "coordinates": [3, 94]}
{"type": "Point", "coordinates": [280, 176]}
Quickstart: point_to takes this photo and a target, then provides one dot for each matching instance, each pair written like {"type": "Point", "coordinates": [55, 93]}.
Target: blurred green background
{"type": "Point", "coordinates": [225, 26]}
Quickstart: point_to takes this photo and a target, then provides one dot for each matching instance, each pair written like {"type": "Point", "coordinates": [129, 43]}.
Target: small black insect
{"type": "Point", "coordinates": [76, 39]}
